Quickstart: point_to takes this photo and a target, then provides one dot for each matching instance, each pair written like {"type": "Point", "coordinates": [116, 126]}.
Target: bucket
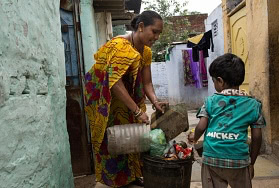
{"type": "Point", "coordinates": [162, 173]}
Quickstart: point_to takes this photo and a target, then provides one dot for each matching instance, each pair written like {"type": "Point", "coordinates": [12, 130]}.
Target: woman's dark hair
{"type": "Point", "coordinates": [147, 17]}
{"type": "Point", "coordinates": [230, 68]}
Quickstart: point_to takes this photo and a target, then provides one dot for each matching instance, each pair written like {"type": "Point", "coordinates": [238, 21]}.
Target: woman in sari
{"type": "Point", "coordinates": [116, 88]}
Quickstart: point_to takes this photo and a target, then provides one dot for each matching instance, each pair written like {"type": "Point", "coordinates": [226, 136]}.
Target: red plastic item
{"type": "Point", "coordinates": [186, 151]}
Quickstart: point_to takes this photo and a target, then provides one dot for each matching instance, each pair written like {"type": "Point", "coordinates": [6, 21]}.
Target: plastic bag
{"type": "Point", "coordinates": [158, 142]}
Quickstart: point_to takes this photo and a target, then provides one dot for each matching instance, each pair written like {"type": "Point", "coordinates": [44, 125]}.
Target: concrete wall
{"type": "Point", "coordinates": [104, 27]}
{"type": "Point", "coordinates": [89, 32]}
{"type": "Point", "coordinates": [178, 93]}
{"type": "Point", "coordinates": [35, 150]}
{"type": "Point", "coordinates": [160, 79]}
{"type": "Point", "coordinates": [214, 22]}
{"type": "Point", "coordinates": [96, 31]}
{"type": "Point", "coordinates": [259, 58]}
{"type": "Point", "coordinates": [262, 32]}
{"type": "Point", "coordinates": [273, 49]}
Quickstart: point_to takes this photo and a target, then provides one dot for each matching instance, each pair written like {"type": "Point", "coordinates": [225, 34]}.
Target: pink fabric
{"type": "Point", "coordinates": [203, 70]}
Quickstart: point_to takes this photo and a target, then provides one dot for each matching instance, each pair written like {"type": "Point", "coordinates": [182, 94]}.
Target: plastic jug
{"type": "Point", "coordinates": [128, 138]}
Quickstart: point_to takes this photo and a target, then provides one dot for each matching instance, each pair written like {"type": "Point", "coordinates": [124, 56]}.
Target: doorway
{"type": "Point", "coordinates": [80, 145]}
{"type": "Point", "coordinates": [239, 41]}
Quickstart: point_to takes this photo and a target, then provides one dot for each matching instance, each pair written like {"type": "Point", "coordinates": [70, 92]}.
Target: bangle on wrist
{"type": "Point", "coordinates": [136, 110]}
{"type": "Point", "coordinates": [138, 114]}
{"type": "Point", "coordinates": [153, 104]}
{"type": "Point", "coordinates": [156, 101]}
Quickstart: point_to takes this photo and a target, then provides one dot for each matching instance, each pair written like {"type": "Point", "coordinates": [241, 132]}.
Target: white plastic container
{"type": "Point", "coordinates": [128, 138]}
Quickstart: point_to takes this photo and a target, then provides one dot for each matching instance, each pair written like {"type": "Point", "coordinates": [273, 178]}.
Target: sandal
{"type": "Point", "coordinates": [138, 182]}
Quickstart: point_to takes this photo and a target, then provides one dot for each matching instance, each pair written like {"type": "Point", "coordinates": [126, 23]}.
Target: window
{"type": "Point", "coordinates": [214, 26]}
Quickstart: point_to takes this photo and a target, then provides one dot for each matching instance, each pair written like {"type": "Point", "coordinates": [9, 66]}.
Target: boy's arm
{"type": "Point", "coordinates": [256, 135]}
{"type": "Point", "coordinates": [199, 130]}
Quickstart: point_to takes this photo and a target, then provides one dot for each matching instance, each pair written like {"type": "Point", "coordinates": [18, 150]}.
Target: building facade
{"type": "Point", "coordinates": [35, 150]}
{"type": "Point", "coordinates": [45, 48]}
{"type": "Point", "coordinates": [251, 30]}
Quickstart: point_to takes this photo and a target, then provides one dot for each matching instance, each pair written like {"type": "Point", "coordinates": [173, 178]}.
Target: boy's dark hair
{"type": "Point", "coordinates": [147, 17]}
{"type": "Point", "coordinates": [230, 68]}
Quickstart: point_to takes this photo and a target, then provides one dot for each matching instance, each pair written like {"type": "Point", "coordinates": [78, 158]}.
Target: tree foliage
{"type": "Point", "coordinates": [168, 9]}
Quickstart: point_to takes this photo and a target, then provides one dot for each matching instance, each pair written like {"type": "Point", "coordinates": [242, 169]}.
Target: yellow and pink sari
{"type": "Point", "coordinates": [116, 59]}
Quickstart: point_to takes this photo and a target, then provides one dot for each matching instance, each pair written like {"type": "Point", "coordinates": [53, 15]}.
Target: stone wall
{"type": "Point", "coordinates": [34, 146]}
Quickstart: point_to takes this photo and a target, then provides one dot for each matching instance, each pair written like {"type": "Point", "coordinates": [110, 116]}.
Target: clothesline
{"type": "Point", "coordinates": [195, 71]}
{"type": "Point", "coordinates": [202, 42]}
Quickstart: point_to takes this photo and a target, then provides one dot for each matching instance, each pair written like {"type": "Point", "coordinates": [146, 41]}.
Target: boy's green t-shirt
{"type": "Point", "coordinates": [229, 118]}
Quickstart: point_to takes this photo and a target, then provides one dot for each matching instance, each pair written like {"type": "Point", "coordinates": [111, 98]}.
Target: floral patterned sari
{"type": "Point", "coordinates": [116, 59]}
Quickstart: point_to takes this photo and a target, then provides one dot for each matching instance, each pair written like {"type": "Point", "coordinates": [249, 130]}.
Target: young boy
{"type": "Point", "coordinates": [224, 120]}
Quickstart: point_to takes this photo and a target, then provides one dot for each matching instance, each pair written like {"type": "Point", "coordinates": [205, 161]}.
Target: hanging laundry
{"type": "Point", "coordinates": [191, 70]}
{"type": "Point", "coordinates": [203, 70]}
{"type": "Point", "coordinates": [188, 77]}
{"type": "Point", "coordinates": [201, 42]}
{"type": "Point", "coordinates": [195, 67]}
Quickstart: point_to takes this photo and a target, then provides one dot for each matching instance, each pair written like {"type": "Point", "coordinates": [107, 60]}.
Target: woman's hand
{"type": "Point", "coordinates": [144, 118]}
{"type": "Point", "coordinates": [161, 106]}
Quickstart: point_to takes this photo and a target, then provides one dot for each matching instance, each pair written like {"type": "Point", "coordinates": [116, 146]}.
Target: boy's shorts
{"type": "Point", "coordinates": [214, 177]}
